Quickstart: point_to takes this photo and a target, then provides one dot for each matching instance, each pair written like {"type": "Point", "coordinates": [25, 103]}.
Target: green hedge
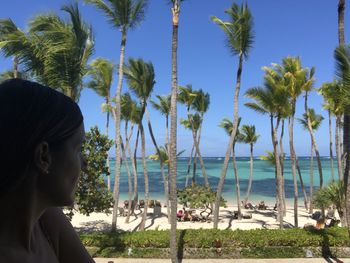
{"type": "Point", "coordinates": [209, 238]}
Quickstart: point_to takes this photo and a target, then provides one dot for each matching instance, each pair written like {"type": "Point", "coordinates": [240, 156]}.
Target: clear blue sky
{"type": "Point", "coordinates": [291, 27]}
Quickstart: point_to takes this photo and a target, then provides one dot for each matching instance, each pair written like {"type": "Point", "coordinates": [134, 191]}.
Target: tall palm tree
{"type": "Point", "coordinates": [293, 74]}
{"type": "Point", "coordinates": [201, 105]}
{"type": "Point", "coordinates": [186, 96]}
{"type": "Point", "coordinates": [342, 58]}
{"type": "Point", "coordinates": [54, 50]}
{"type": "Point", "coordinates": [315, 121]}
{"type": "Point", "coordinates": [250, 137]}
{"type": "Point", "coordinates": [101, 72]}
{"type": "Point", "coordinates": [240, 38]}
{"type": "Point", "coordinates": [128, 108]}
{"type": "Point", "coordinates": [334, 102]}
{"type": "Point", "coordinates": [173, 130]}
{"type": "Point", "coordinates": [272, 99]}
{"type": "Point", "coordinates": [140, 77]}
{"type": "Point", "coordinates": [227, 125]}
{"type": "Point", "coordinates": [123, 15]}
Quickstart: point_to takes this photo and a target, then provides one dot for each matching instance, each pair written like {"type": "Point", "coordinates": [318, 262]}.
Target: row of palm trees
{"type": "Point", "coordinates": [55, 52]}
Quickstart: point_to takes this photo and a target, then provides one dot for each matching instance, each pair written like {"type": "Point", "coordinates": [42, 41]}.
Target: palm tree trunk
{"type": "Point", "coordinates": [279, 190]}
{"type": "Point", "coordinates": [167, 133]}
{"type": "Point", "coordinates": [145, 175]}
{"type": "Point", "coordinates": [173, 136]}
{"type": "Point", "coordinates": [189, 166]}
{"type": "Point", "coordinates": [206, 182]}
{"type": "Point", "coordinates": [311, 178]}
{"type": "Point", "coordinates": [238, 191]}
{"type": "Point", "coordinates": [302, 184]}
{"type": "Point", "coordinates": [15, 67]}
{"type": "Point", "coordinates": [166, 190]}
{"type": "Point", "coordinates": [341, 11]}
{"type": "Point", "coordinates": [292, 155]}
{"type": "Point", "coordinates": [107, 158]}
{"type": "Point", "coordinates": [331, 143]}
{"type": "Point", "coordinates": [127, 146]}
{"type": "Point", "coordinates": [337, 148]}
{"type": "Point", "coordinates": [117, 131]}
{"type": "Point", "coordinates": [129, 180]}
{"type": "Point", "coordinates": [314, 142]}
{"type": "Point", "coordinates": [230, 145]}
{"type": "Point", "coordinates": [250, 174]}
{"type": "Point", "coordinates": [194, 169]}
{"type": "Point", "coordinates": [282, 169]}
{"type": "Point", "coordinates": [136, 191]}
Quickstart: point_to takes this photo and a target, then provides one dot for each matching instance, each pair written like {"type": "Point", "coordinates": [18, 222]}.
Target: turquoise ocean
{"type": "Point", "coordinates": [264, 183]}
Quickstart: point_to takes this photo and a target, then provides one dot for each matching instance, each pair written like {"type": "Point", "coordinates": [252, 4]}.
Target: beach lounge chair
{"type": "Point", "coordinates": [122, 211]}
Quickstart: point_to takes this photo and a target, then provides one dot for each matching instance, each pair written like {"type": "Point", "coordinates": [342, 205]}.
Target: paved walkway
{"type": "Point", "coordinates": [294, 260]}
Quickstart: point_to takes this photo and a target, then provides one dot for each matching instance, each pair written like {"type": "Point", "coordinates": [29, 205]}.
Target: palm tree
{"type": "Point", "coordinates": [332, 195]}
{"type": "Point", "coordinates": [334, 102]}
{"type": "Point", "coordinates": [342, 57]}
{"type": "Point", "coordinates": [123, 15]}
{"type": "Point", "coordinates": [227, 125]}
{"type": "Point", "coordinates": [315, 122]}
{"type": "Point", "coordinates": [249, 137]}
{"type": "Point", "coordinates": [54, 50]}
{"type": "Point", "coordinates": [201, 105]}
{"type": "Point", "coordinates": [14, 42]}
{"type": "Point", "coordinates": [240, 39]}
{"type": "Point", "coordinates": [128, 110]}
{"type": "Point", "coordinates": [186, 96]}
{"type": "Point", "coordinates": [193, 123]}
{"type": "Point", "coordinates": [272, 99]}
{"type": "Point", "coordinates": [173, 130]}
{"type": "Point", "coordinates": [101, 73]}
{"type": "Point", "coordinates": [163, 106]}
{"type": "Point", "coordinates": [141, 79]}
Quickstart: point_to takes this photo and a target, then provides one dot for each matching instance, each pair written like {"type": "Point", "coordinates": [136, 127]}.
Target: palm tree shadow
{"type": "Point", "coordinates": [181, 242]}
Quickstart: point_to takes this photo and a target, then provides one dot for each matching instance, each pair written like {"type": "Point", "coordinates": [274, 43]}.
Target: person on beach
{"type": "Point", "coordinates": [41, 137]}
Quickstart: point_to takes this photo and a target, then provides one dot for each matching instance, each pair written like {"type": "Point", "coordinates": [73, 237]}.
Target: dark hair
{"type": "Point", "coordinates": [29, 114]}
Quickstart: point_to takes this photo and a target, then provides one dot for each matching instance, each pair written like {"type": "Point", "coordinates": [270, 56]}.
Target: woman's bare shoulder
{"type": "Point", "coordinates": [63, 237]}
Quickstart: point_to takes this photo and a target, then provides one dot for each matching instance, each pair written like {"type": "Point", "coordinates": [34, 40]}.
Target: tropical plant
{"type": "Point", "coordinates": [92, 194]}
{"type": "Point", "coordinates": [163, 106]}
{"type": "Point", "coordinates": [332, 195]}
{"type": "Point", "coordinates": [128, 107]}
{"type": "Point", "coordinates": [315, 122]}
{"type": "Point", "coordinates": [140, 77]}
{"type": "Point", "coordinates": [342, 57]}
{"type": "Point", "coordinates": [123, 15]}
{"type": "Point", "coordinates": [54, 51]}
{"type": "Point", "coordinates": [198, 196]}
{"type": "Point", "coordinates": [272, 99]}
{"type": "Point", "coordinates": [101, 73]}
{"type": "Point", "coordinates": [240, 38]}
{"type": "Point", "coordinates": [173, 130]}
{"type": "Point", "coordinates": [334, 102]}
{"type": "Point", "coordinates": [193, 123]}
{"type": "Point", "coordinates": [227, 125]}
{"type": "Point", "coordinates": [249, 137]}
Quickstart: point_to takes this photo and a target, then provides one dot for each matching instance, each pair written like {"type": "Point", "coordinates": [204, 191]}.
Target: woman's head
{"type": "Point", "coordinates": [32, 115]}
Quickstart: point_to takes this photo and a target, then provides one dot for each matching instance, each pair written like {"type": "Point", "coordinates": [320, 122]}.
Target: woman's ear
{"type": "Point", "coordinates": [42, 157]}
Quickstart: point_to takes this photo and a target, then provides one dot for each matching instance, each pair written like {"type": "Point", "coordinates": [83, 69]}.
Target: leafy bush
{"type": "Point", "coordinates": [198, 196]}
{"type": "Point", "coordinates": [92, 194]}
{"type": "Point", "coordinates": [208, 238]}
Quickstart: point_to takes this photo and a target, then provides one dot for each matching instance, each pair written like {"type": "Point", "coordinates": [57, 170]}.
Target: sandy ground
{"type": "Point", "coordinates": [260, 219]}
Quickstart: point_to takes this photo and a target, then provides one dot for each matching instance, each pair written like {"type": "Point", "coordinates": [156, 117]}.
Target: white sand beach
{"type": "Point", "coordinates": [260, 219]}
